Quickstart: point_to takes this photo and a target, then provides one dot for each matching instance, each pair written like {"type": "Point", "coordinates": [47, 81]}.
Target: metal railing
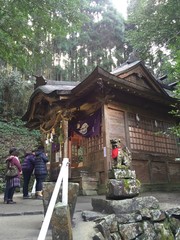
{"type": "Point", "coordinates": [62, 178]}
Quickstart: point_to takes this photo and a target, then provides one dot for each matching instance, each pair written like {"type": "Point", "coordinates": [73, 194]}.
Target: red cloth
{"type": "Point", "coordinates": [114, 153]}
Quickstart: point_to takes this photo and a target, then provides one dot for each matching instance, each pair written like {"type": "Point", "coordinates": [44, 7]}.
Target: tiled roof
{"type": "Point", "coordinates": [52, 86]}
{"type": "Point", "coordinates": [124, 67]}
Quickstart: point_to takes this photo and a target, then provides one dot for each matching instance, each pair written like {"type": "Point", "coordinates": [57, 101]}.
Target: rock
{"type": "Point", "coordinates": [157, 215]}
{"type": "Point", "coordinates": [149, 202]}
{"type": "Point", "coordinates": [116, 236]}
{"type": "Point", "coordinates": [121, 189]}
{"type": "Point", "coordinates": [91, 215]}
{"type": "Point", "coordinates": [61, 223]}
{"type": "Point", "coordinates": [98, 236]}
{"type": "Point", "coordinates": [177, 235]}
{"type": "Point", "coordinates": [163, 231]}
{"type": "Point", "coordinates": [129, 218]}
{"type": "Point", "coordinates": [125, 205]}
{"type": "Point", "coordinates": [73, 189]}
{"type": "Point", "coordinates": [148, 232]}
{"type": "Point", "coordinates": [103, 228]}
{"type": "Point", "coordinates": [131, 230]}
{"type": "Point", "coordinates": [173, 212]}
{"type": "Point", "coordinates": [145, 213]}
{"type": "Point", "coordinates": [138, 218]}
{"type": "Point", "coordinates": [123, 173]}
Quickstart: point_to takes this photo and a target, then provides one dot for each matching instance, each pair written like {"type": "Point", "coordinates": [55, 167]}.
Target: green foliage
{"type": "Point", "coordinates": [14, 93]}
{"type": "Point", "coordinates": [27, 27]}
{"type": "Point", "coordinates": [14, 134]}
{"type": "Point", "coordinates": [100, 41]}
{"type": "Point", "coordinates": [176, 112]}
{"type": "Point", "coordinates": [80, 33]}
{"type": "Point", "coordinates": [153, 30]}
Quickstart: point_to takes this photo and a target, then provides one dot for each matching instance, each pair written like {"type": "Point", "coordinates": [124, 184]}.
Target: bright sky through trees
{"type": "Point", "coordinates": [121, 6]}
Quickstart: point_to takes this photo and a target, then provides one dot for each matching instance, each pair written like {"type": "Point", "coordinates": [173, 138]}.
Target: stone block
{"type": "Point", "coordinates": [61, 223]}
{"type": "Point", "coordinates": [73, 190]}
{"type": "Point", "coordinates": [121, 189]}
{"type": "Point", "coordinates": [89, 192]}
{"type": "Point", "coordinates": [125, 205]}
{"type": "Point", "coordinates": [119, 174]}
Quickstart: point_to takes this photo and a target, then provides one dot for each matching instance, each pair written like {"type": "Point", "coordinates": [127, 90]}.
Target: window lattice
{"type": "Point", "coordinates": [150, 135]}
{"type": "Point", "coordinates": [95, 144]}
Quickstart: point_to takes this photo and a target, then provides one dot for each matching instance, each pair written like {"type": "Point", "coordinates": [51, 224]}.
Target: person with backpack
{"type": "Point", "coordinates": [27, 170]}
{"type": "Point", "coordinates": [12, 182]}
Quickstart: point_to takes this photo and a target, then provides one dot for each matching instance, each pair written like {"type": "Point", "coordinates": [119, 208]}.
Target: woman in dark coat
{"type": "Point", "coordinates": [27, 170]}
{"type": "Point", "coordinates": [13, 182]}
{"type": "Point", "coordinates": [40, 170]}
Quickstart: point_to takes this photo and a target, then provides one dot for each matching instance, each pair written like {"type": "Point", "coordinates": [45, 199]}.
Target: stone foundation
{"type": "Point", "coordinates": [139, 218]}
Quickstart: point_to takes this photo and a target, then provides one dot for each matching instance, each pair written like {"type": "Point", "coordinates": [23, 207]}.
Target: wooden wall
{"type": "Point", "coordinates": [153, 148]}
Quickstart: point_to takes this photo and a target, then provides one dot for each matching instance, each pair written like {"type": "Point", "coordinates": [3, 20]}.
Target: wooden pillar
{"type": "Point", "coordinates": [51, 161]}
{"type": "Point", "coordinates": [65, 131]}
{"type": "Point", "coordinates": [105, 142]}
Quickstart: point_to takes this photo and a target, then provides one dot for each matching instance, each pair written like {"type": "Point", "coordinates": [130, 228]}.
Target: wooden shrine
{"type": "Point", "coordinates": [78, 119]}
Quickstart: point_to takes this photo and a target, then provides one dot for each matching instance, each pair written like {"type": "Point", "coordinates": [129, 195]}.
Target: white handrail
{"type": "Point", "coordinates": [65, 184]}
{"type": "Point", "coordinates": [34, 188]}
{"type": "Point", "coordinates": [63, 175]}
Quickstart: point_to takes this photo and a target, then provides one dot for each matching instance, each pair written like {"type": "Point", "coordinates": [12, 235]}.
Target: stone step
{"type": "Point", "coordinates": [88, 185]}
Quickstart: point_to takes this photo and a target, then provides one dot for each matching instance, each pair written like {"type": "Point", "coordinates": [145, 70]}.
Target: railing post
{"type": "Point", "coordinates": [33, 188]}
{"type": "Point", "coordinates": [65, 182]}
{"type": "Point", "coordinates": [63, 173]}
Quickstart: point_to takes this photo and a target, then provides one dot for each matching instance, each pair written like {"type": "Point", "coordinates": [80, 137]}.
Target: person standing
{"type": "Point", "coordinates": [40, 170]}
{"type": "Point", "coordinates": [27, 170]}
{"type": "Point", "coordinates": [12, 182]}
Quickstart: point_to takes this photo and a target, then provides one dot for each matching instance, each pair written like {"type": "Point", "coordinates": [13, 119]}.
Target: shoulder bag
{"type": "Point", "coordinates": [12, 171]}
